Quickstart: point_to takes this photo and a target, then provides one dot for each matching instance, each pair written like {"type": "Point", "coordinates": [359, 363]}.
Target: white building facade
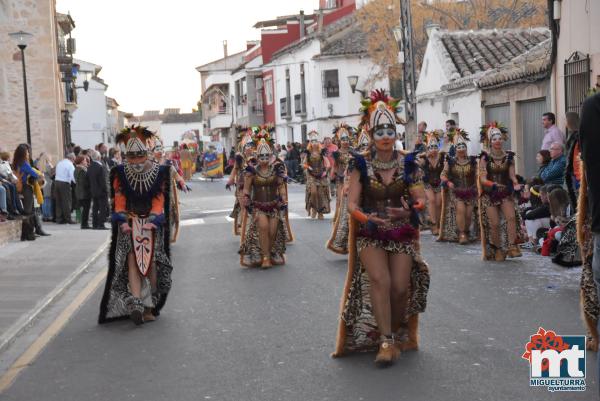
{"type": "Point", "coordinates": [89, 121]}
{"type": "Point", "coordinates": [311, 88]}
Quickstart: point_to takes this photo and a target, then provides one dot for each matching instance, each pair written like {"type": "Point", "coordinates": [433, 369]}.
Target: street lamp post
{"type": "Point", "coordinates": [353, 81]}
{"type": "Point", "coordinates": [22, 39]}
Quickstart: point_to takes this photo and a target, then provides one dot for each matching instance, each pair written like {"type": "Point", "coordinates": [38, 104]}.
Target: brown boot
{"type": "Point", "coordinates": [321, 216]}
{"type": "Point", "coordinates": [514, 252]}
{"type": "Point", "coordinates": [387, 352]}
{"type": "Point", "coordinates": [148, 315]}
{"type": "Point", "coordinates": [266, 262]}
{"type": "Point", "coordinates": [499, 255]}
{"type": "Point", "coordinates": [463, 239]}
{"type": "Point", "coordinates": [313, 214]}
{"type": "Point", "coordinates": [412, 342]}
{"type": "Point", "coordinates": [592, 329]}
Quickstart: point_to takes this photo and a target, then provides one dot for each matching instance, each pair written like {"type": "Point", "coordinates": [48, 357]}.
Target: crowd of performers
{"type": "Point", "coordinates": [383, 198]}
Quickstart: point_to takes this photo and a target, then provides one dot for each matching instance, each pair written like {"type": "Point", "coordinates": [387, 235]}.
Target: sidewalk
{"type": "Point", "coordinates": [34, 273]}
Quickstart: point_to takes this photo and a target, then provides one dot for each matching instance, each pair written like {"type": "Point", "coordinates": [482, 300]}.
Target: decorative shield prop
{"type": "Point", "coordinates": [143, 245]}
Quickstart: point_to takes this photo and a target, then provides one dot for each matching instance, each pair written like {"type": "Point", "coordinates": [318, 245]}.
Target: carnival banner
{"type": "Point", "coordinates": [213, 161]}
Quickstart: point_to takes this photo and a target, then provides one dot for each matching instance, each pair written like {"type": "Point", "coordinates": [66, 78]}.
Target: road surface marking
{"type": "Point", "coordinates": [191, 222]}
{"type": "Point", "coordinates": [48, 335]}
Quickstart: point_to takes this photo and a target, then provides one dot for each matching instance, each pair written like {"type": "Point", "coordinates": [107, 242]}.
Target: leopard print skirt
{"type": "Point", "coordinates": [448, 227]}
{"type": "Point", "coordinates": [235, 215]}
{"type": "Point", "coordinates": [362, 333]}
{"type": "Point", "coordinates": [321, 202]}
{"type": "Point", "coordinates": [486, 235]}
{"type": "Point", "coordinates": [589, 292]}
{"type": "Point", "coordinates": [338, 242]}
{"type": "Point", "coordinates": [250, 252]}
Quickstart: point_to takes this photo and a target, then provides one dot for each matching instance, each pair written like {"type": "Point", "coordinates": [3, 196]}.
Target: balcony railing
{"type": "Point", "coordinates": [257, 107]}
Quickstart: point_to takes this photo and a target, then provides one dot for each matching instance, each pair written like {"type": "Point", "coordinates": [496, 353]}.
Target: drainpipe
{"type": "Point", "coordinates": [302, 30]}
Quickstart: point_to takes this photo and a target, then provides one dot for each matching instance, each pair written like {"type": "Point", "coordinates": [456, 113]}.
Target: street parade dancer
{"type": "Point", "coordinates": [244, 156]}
{"type": "Point", "coordinates": [139, 271]}
{"type": "Point", "coordinates": [499, 216]}
{"type": "Point", "coordinates": [590, 305]}
{"type": "Point", "coordinates": [387, 281]}
{"type": "Point", "coordinates": [432, 163]}
{"type": "Point", "coordinates": [177, 183]}
{"type": "Point", "coordinates": [459, 194]}
{"type": "Point", "coordinates": [344, 135]}
{"type": "Point", "coordinates": [264, 234]}
{"type": "Point", "coordinates": [317, 167]}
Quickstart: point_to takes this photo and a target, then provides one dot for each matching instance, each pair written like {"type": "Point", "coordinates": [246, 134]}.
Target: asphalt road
{"type": "Point", "coordinates": [228, 333]}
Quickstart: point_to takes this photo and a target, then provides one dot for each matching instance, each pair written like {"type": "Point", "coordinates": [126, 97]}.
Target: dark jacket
{"type": "Point", "coordinates": [97, 179]}
{"type": "Point", "coordinates": [589, 137]}
{"type": "Point", "coordinates": [82, 184]}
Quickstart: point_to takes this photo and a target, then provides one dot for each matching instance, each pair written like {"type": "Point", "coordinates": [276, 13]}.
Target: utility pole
{"type": "Point", "coordinates": [408, 72]}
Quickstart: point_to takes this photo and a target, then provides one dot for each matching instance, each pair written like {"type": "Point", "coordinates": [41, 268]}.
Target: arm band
{"type": "Point", "coordinates": [359, 216]}
{"type": "Point", "coordinates": [488, 183]}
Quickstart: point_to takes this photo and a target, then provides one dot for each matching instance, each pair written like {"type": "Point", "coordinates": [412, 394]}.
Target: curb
{"type": "Point", "coordinates": [20, 325]}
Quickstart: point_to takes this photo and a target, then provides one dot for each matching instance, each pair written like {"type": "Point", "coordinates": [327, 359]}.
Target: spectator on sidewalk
{"type": "Point", "coordinates": [62, 189]}
{"type": "Point", "coordinates": [542, 158]}
{"type": "Point", "coordinates": [421, 132]}
{"type": "Point", "coordinates": [589, 138]}
{"type": "Point", "coordinates": [294, 161]}
{"type": "Point", "coordinates": [26, 176]}
{"type": "Point", "coordinates": [97, 181]}
{"type": "Point", "coordinates": [44, 165]}
{"type": "Point", "coordinates": [555, 172]}
{"type": "Point", "coordinates": [552, 133]}
{"type": "Point", "coordinates": [82, 190]}
{"type": "Point", "coordinates": [8, 180]}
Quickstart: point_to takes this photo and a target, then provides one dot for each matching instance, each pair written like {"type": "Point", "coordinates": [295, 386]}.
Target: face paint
{"type": "Point", "coordinates": [264, 157]}
{"type": "Point", "coordinates": [461, 147]}
{"type": "Point", "coordinates": [384, 133]}
{"type": "Point", "coordinates": [138, 167]}
{"type": "Point", "coordinates": [432, 147]}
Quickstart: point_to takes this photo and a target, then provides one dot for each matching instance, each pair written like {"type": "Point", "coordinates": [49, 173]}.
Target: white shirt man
{"type": "Point", "coordinates": [65, 171]}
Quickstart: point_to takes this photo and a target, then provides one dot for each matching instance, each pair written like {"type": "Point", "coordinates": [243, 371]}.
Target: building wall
{"type": "Point", "coordinates": [274, 40]}
{"type": "Point", "coordinates": [88, 125]}
{"type": "Point", "coordinates": [514, 95]}
{"type": "Point", "coordinates": [322, 113]}
{"type": "Point", "coordinates": [579, 31]}
{"type": "Point", "coordinates": [464, 107]}
{"type": "Point", "coordinates": [43, 78]}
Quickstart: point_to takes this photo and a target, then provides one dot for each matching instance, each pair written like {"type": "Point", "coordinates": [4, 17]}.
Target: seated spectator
{"type": "Point", "coordinates": [558, 202]}
{"type": "Point", "coordinates": [543, 159]}
{"type": "Point", "coordinates": [538, 215]}
{"type": "Point", "coordinates": [8, 181]}
{"type": "Point", "coordinates": [555, 172]}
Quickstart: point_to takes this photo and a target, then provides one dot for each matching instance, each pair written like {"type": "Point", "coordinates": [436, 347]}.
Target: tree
{"type": "Point", "coordinates": [379, 17]}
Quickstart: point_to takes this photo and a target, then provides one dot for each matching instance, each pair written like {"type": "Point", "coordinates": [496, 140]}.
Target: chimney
{"type": "Point", "coordinates": [302, 29]}
{"type": "Point", "coordinates": [224, 48]}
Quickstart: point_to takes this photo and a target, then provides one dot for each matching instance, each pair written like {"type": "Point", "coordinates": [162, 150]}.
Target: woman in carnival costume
{"type": "Point", "coordinates": [499, 216]}
{"type": "Point", "coordinates": [459, 196]}
{"type": "Point", "coordinates": [317, 169]}
{"type": "Point", "coordinates": [178, 183]}
{"type": "Point", "coordinates": [244, 156]}
{"type": "Point", "coordinates": [387, 281]}
{"type": "Point", "coordinates": [589, 300]}
{"type": "Point", "coordinates": [139, 273]}
{"type": "Point", "coordinates": [432, 163]}
{"type": "Point", "coordinates": [264, 234]}
{"type": "Point", "coordinates": [344, 138]}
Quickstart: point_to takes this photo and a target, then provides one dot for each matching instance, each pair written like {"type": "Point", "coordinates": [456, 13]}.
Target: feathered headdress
{"type": "Point", "coordinates": [343, 130]}
{"type": "Point", "coordinates": [313, 136]}
{"type": "Point", "coordinates": [491, 129]}
{"type": "Point", "coordinates": [263, 132]}
{"type": "Point", "coordinates": [135, 141]}
{"type": "Point", "coordinates": [263, 147]}
{"type": "Point", "coordinates": [245, 140]}
{"type": "Point", "coordinates": [379, 111]}
{"type": "Point", "coordinates": [460, 136]}
{"type": "Point", "coordinates": [432, 138]}
{"type": "Point", "coordinates": [364, 140]}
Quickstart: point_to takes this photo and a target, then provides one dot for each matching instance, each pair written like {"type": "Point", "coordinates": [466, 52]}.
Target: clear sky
{"type": "Point", "coordinates": [148, 49]}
